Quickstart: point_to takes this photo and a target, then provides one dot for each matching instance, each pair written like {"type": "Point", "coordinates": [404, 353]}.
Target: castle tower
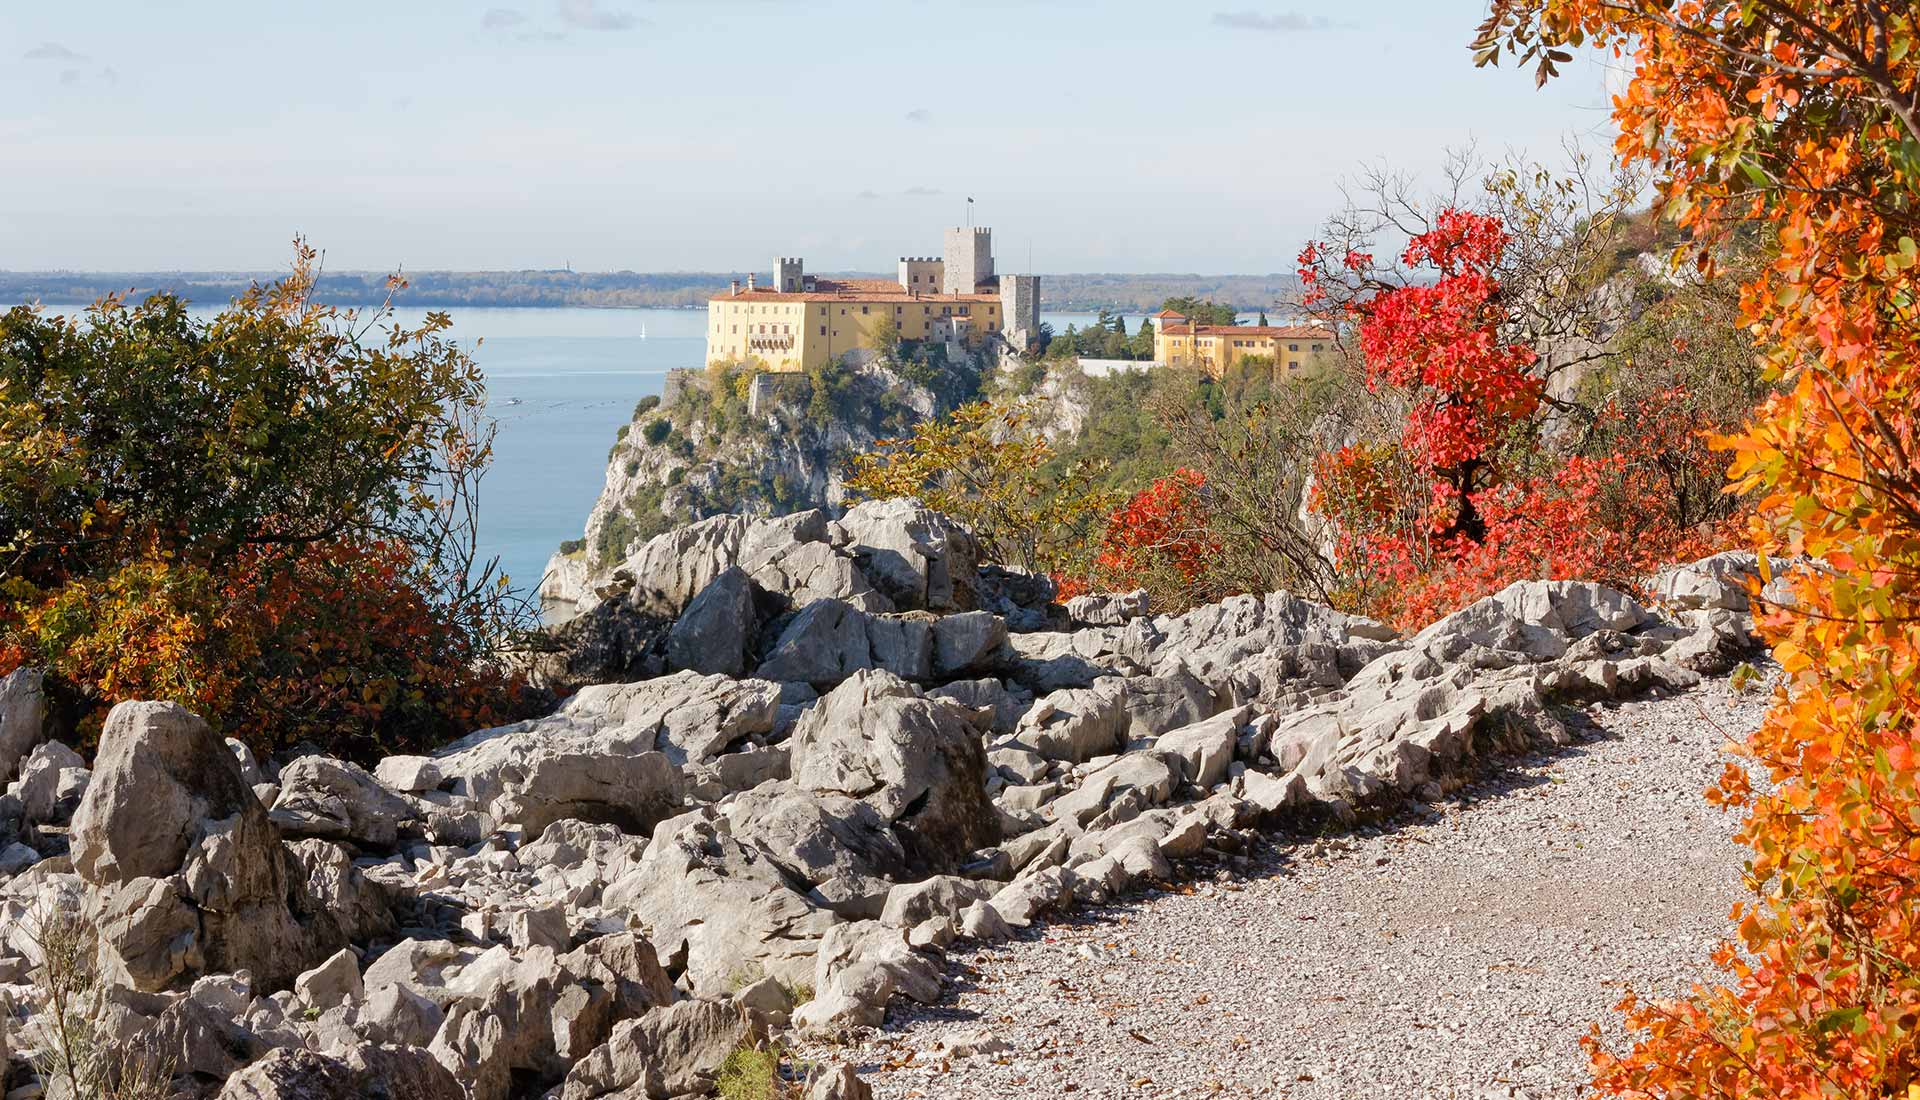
{"type": "Point", "coordinates": [969, 259]}
{"type": "Point", "coordinates": [1020, 309]}
{"type": "Point", "coordinates": [789, 274]}
{"type": "Point", "coordinates": [920, 274]}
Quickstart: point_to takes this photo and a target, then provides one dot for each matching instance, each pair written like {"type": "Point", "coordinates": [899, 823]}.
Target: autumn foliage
{"type": "Point", "coordinates": [1465, 497]}
{"type": "Point", "coordinates": [1159, 540]}
{"type": "Point", "coordinates": [260, 517]}
{"type": "Point", "coordinates": [1804, 115]}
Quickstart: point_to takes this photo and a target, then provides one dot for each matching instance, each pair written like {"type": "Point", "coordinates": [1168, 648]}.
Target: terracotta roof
{"type": "Point", "coordinates": [1170, 313]}
{"type": "Point", "coordinates": [1285, 332]}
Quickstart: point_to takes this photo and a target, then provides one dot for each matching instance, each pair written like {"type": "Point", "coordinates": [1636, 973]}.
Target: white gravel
{"type": "Point", "coordinates": [1460, 951]}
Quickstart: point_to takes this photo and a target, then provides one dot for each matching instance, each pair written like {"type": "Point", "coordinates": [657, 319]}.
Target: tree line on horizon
{"type": "Point", "coordinates": [1071, 293]}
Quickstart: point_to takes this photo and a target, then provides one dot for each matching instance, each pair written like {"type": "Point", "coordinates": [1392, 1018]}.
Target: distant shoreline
{"type": "Point", "coordinates": [1068, 293]}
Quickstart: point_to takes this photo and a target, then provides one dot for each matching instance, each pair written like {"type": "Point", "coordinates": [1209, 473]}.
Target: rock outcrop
{"type": "Point", "coordinates": [610, 900]}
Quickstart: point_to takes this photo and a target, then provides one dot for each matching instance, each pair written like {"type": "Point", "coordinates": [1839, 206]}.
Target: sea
{"type": "Point", "coordinates": [560, 383]}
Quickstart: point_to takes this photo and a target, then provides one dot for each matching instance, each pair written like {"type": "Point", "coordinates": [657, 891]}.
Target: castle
{"type": "Point", "coordinates": [800, 321]}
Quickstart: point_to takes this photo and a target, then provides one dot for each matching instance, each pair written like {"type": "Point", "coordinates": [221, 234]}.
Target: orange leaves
{"type": "Point", "coordinates": [339, 644]}
{"type": "Point", "coordinates": [1818, 94]}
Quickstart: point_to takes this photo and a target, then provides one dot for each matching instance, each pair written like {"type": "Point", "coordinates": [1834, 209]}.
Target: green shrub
{"type": "Point", "coordinates": [749, 1073]}
{"type": "Point", "coordinates": [657, 431]}
{"type": "Point", "coordinates": [646, 405]}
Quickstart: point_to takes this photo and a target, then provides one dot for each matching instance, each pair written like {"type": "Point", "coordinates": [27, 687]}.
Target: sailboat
{"type": "Point", "coordinates": [643, 330]}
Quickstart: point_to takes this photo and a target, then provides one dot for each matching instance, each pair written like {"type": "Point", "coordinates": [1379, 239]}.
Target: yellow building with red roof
{"type": "Point", "coordinates": [1180, 342]}
{"type": "Point", "coordinates": [801, 321]}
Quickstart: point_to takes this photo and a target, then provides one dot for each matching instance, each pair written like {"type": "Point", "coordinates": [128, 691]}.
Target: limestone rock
{"type": "Point", "coordinates": [721, 911]}
{"type": "Point", "coordinates": [1077, 724]}
{"type": "Point", "coordinates": [337, 800]}
{"type": "Point", "coordinates": [917, 557]}
{"type": "Point", "coordinates": [966, 641]}
{"type": "Point", "coordinates": [843, 848]}
{"type": "Point", "coordinates": [918, 761]}
{"type": "Point", "coordinates": [169, 834]}
{"type": "Point", "coordinates": [669, 1052]}
{"type": "Point", "coordinates": [715, 632]}
{"type": "Point", "coordinates": [53, 779]}
{"type": "Point", "coordinates": [22, 710]}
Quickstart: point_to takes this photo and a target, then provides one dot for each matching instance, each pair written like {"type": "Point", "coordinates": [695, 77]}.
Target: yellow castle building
{"type": "Point", "coordinates": [800, 321]}
{"type": "Point", "coordinates": [1177, 340]}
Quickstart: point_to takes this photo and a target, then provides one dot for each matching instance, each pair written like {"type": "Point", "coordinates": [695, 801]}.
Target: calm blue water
{"type": "Point", "coordinates": [560, 383]}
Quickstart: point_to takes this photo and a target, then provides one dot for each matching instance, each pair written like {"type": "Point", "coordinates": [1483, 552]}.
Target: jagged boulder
{"type": "Point", "coordinates": [715, 632]}
{"type": "Point", "coordinates": [365, 1073]}
{"type": "Point", "coordinates": [337, 800]}
{"type": "Point", "coordinates": [830, 640]}
{"type": "Point", "coordinates": [22, 711]}
{"type": "Point", "coordinates": [841, 847]}
{"type": "Point", "coordinates": [613, 753]}
{"type": "Point", "coordinates": [918, 761]}
{"type": "Point", "coordinates": [189, 871]}
{"type": "Point", "coordinates": [1721, 581]}
{"type": "Point", "coordinates": [917, 557]}
{"type": "Point", "coordinates": [669, 1052]}
{"type": "Point", "coordinates": [720, 911]}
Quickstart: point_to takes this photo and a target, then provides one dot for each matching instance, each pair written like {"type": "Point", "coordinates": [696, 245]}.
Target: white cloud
{"type": "Point", "coordinates": [589, 15]}
{"type": "Point", "coordinates": [1279, 22]}
{"type": "Point", "coordinates": [52, 51]}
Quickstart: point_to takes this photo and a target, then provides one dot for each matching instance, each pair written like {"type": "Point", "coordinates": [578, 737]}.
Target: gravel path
{"type": "Point", "coordinates": [1458, 952]}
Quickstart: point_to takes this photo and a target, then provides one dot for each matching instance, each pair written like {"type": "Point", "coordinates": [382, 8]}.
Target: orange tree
{"type": "Point", "coordinates": [1804, 114]}
{"type": "Point", "coordinates": [266, 517]}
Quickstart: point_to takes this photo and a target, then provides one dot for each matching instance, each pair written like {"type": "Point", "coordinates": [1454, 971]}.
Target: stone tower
{"type": "Point", "coordinates": [1020, 309]}
{"type": "Point", "coordinates": [969, 259]}
{"type": "Point", "coordinates": [789, 274]}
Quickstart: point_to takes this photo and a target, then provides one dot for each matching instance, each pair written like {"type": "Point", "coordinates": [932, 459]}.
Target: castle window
{"type": "Point", "coordinates": [823, 330]}
{"type": "Point", "coordinates": [1293, 364]}
{"type": "Point", "coordinates": [1316, 347]}
{"type": "Point", "coordinates": [1293, 347]}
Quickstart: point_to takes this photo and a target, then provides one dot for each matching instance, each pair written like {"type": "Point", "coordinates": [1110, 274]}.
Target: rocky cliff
{"type": "Point", "coordinates": [848, 745]}
{"type": "Point", "coordinates": [733, 443]}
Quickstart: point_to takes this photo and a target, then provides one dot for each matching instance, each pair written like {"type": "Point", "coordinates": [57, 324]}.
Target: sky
{"type": "Point", "coordinates": [711, 135]}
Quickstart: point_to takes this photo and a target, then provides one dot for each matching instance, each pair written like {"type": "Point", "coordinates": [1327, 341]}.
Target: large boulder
{"type": "Point", "coordinates": [1721, 581]}
{"type": "Point", "coordinates": [1531, 620]}
{"type": "Point", "coordinates": [715, 632]}
{"type": "Point", "coordinates": [364, 1073]}
{"type": "Point", "coordinates": [189, 873]}
{"type": "Point", "coordinates": [917, 557]}
{"type": "Point", "coordinates": [841, 847]}
{"type": "Point", "coordinates": [613, 753]}
{"type": "Point", "coordinates": [337, 800]}
{"type": "Point", "coordinates": [22, 710]}
{"type": "Point", "coordinates": [918, 761]}
{"type": "Point", "coordinates": [792, 557]}
{"type": "Point", "coordinates": [830, 640]}
{"type": "Point", "coordinates": [720, 911]}
{"type": "Point", "coordinates": [670, 1052]}
{"type": "Point", "coordinates": [1077, 724]}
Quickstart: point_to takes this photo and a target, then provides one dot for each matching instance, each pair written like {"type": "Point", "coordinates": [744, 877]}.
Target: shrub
{"type": "Point", "coordinates": [657, 431]}
{"type": "Point", "coordinates": [986, 466]}
{"type": "Point", "coordinates": [266, 517]}
{"type": "Point", "coordinates": [646, 405]}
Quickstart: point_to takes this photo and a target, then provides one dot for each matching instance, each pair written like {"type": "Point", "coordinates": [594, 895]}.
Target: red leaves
{"type": "Point", "coordinates": [1441, 342]}
{"type": "Point", "coordinates": [1163, 527]}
